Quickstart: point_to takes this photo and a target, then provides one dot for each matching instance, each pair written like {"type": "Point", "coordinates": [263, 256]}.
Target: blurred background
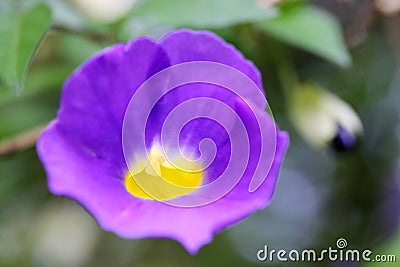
{"type": "Point", "coordinates": [331, 76]}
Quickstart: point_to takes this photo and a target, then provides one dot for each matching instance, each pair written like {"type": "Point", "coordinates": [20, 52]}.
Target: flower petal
{"type": "Point", "coordinates": [96, 95]}
{"type": "Point", "coordinates": [75, 172]}
{"type": "Point", "coordinates": [188, 45]}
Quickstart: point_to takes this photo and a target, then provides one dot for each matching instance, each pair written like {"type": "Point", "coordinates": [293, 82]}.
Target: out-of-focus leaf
{"type": "Point", "coordinates": [147, 15]}
{"type": "Point", "coordinates": [26, 112]}
{"type": "Point", "coordinates": [38, 105]}
{"type": "Point", "coordinates": [20, 34]}
{"type": "Point", "coordinates": [45, 78]}
{"type": "Point", "coordinates": [201, 13]}
{"type": "Point", "coordinates": [74, 49]}
{"type": "Point", "coordinates": [15, 179]}
{"type": "Point", "coordinates": [362, 84]}
{"type": "Point", "coordinates": [311, 29]}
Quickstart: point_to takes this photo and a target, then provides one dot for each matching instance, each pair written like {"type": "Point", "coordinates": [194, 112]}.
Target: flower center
{"type": "Point", "coordinates": [159, 180]}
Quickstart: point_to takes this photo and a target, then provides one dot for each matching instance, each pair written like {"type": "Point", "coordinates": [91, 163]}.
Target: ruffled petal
{"type": "Point", "coordinates": [188, 45]}
{"type": "Point", "coordinates": [95, 97]}
{"type": "Point", "coordinates": [74, 171]}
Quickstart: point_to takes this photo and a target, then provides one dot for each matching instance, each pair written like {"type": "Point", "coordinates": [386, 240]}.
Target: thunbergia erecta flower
{"type": "Point", "coordinates": [169, 138]}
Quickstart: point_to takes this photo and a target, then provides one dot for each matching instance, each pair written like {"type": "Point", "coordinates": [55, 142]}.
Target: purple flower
{"type": "Point", "coordinates": [136, 151]}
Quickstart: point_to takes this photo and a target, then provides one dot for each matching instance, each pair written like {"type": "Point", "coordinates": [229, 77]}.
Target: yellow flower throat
{"type": "Point", "coordinates": [159, 180]}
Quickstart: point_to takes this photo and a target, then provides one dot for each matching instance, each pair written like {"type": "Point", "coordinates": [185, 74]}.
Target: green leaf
{"type": "Point", "coordinates": [311, 29]}
{"type": "Point", "coordinates": [74, 49]}
{"type": "Point", "coordinates": [194, 14]}
{"type": "Point", "coordinates": [27, 111]}
{"type": "Point", "coordinates": [46, 78]}
{"type": "Point", "coordinates": [20, 35]}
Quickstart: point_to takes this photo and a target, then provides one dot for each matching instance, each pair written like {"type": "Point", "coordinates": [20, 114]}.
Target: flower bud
{"type": "Point", "coordinates": [105, 11]}
{"type": "Point", "coordinates": [324, 119]}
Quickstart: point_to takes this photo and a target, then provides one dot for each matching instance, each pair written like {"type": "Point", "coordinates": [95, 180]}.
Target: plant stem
{"type": "Point", "coordinates": [97, 37]}
{"type": "Point", "coordinates": [20, 142]}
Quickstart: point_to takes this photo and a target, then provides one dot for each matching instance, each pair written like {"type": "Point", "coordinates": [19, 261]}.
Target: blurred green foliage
{"type": "Point", "coordinates": [20, 34]}
{"type": "Point", "coordinates": [353, 195]}
{"type": "Point", "coordinates": [309, 28]}
{"type": "Point", "coordinates": [198, 14]}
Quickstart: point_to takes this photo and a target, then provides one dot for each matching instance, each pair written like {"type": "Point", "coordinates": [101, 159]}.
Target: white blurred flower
{"type": "Point", "coordinates": [64, 236]}
{"type": "Point", "coordinates": [388, 7]}
{"type": "Point", "coordinates": [105, 11]}
{"type": "Point", "coordinates": [322, 118]}
{"type": "Point", "coordinates": [267, 3]}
